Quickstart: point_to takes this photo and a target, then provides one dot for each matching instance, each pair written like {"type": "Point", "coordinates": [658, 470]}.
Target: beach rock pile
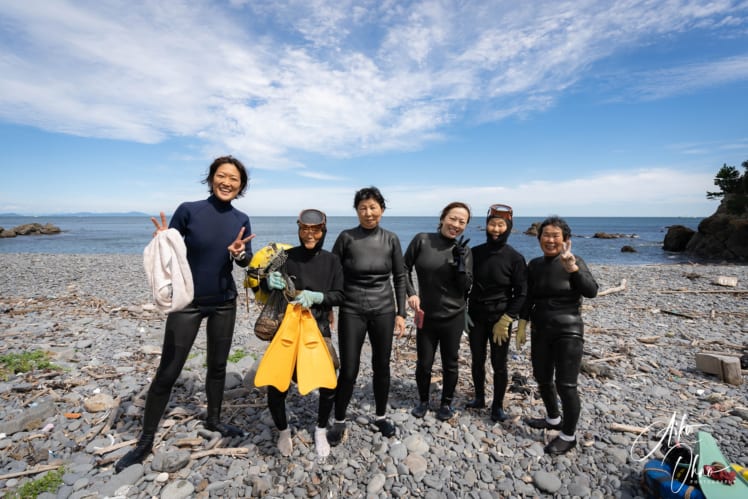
{"type": "Point", "coordinates": [94, 315]}
{"type": "Point", "coordinates": [30, 229]}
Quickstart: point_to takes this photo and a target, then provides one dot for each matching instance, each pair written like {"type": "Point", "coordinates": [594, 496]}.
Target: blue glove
{"type": "Point", "coordinates": [276, 281]}
{"type": "Point", "coordinates": [308, 298]}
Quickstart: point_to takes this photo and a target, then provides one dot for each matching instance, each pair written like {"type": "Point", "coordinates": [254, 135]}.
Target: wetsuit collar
{"type": "Point", "coordinates": [218, 204]}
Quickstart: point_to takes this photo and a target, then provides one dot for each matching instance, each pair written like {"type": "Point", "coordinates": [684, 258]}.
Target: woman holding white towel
{"type": "Point", "coordinates": [214, 235]}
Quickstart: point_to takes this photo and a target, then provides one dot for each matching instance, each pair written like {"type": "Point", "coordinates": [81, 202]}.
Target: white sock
{"type": "Point", "coordinates": [340, 421]}
{"type": "Point", "coordinates": [379, 418]}
{"type": "Point", "coordinates": [567, 438]}
{"type": "Point", "coordinates": [320, 442]}
{"type": "Point", "coordinates": [285, 445]}
{"type": "Point", "coordinates": [556, 420]}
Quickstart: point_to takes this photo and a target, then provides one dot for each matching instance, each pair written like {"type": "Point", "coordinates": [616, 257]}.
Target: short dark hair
{"type": "Point", "coordinates": [368, 193]}
{"type": "Point", "coordinates": [555, 221]}
{"type": "Point", "coordinates": [233, 161]}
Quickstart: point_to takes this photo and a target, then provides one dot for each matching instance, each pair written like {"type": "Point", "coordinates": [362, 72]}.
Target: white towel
{"type": "Point", "coordinates": [169, 274]}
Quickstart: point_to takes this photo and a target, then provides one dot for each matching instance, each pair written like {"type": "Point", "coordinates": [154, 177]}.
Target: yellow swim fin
{"type": "Point", "coordinates": [278, 362]}
{"type": "Point", "coordinates": [314, 367]}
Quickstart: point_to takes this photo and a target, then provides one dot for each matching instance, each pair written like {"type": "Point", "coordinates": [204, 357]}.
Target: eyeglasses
{"type": "Point", "coordinates": [500, 210]}
{"type": "Point", "coordinates": [315, 230]}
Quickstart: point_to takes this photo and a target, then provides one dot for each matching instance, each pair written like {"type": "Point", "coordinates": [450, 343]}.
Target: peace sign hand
{"type": "Point", "coordinates": [238, 247]}
{"type": "Point", "coordinates": [160, 227]}
{"type": "Point", "coordinates": [568, 260]}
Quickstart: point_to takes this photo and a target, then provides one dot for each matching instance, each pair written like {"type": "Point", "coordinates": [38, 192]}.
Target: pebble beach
{"type": "Point", "coordinates": [95, 317]}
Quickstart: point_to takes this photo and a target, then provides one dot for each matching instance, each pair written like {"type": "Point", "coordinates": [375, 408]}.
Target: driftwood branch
{"type": "Point", "coordinates": [111, 448]}
{"type": "Point", "coordinates": [236, 451]}
{"type": "Point", "coordinates": [616, 289]}
{"type": "Point", "coordinates": [105, 428]}
{"type": "Point", "coordinates": [606, 359]}
{"type": "Point", "coordinates": [678, 314]}
{"type": "Point", "coordinates": [627, 428]}
{"type": "Point", "coordinates": [39, 469]}
{"type": "Point", "coordinates": [705, 291]}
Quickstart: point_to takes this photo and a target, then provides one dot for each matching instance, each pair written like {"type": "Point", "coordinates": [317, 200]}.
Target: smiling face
{"type": "Point", "coordinates": [369, 213]}
{"type": "Point", "coordinates": [496, 227]}
{"type": "Point", "coordinates": [454, 222]}
{"type": "Point", "coordinates": [310, 235]}
{"type": "Point", "coordinates": [551, 240]}
{"type": "Point", "coordinates": [226, 182]}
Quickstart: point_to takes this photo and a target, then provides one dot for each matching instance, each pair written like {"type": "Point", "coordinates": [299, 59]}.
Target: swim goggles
{"type": "Point", "coordinates": [500, 210]}
{"type": "Point", "coordinates": [312, 220]}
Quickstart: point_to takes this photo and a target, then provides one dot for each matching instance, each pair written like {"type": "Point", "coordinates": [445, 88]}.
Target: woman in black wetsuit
{"type": "Point", "coordinates": [557, 281]}
{"type": "Point", "coordinates": [317, 273]}
{"type": "Point", "coordinates": [444, 268]}
{"type": "Point", "coordinates": [209, 227]}
{"type": "Point", "coordinates": [496, 298]}
{"type": "Point", "coordinates": [370, 255]}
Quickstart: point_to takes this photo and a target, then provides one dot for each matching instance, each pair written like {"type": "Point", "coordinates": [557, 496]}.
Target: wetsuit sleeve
{"type": "Point", "coordinates": [465, 279]}
{"type": "Point", "coordinates": [583, 281]}
{"type": "Point", "coordinates": [335, 295]}
{"type": "Point", "coordinates": [179, 219]}
{"type": "Point", "coordinates": [398, 276]}
{"type": "Point", "coordinates": [519, 287]}
{"type": "Point", "coordinates": [244, 262]}
{"type": "Point", "coordinates": [526, 309]}
{"type": "Point", "coordinates": [409, 261]}
{"type": "Point", "coordinates": [339, 247]}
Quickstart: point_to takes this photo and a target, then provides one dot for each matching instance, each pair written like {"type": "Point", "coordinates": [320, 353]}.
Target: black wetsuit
{"type": "Point", "coordinates": [314, 270]}
{"type": "Point", "coordinates": [443, 292]}
{"type": "Point", "coordinates": [553, 306]}
{"type": "Point", "coordinates": [208, 227]}
{"type": "Point", "coordinates": [369, 257]}
{"type": "Point", "coordinates": [499, 287]}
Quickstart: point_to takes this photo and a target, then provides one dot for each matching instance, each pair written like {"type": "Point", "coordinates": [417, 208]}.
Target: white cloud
{"type": "Point", "coordinates": [664, 191]}
{"type": "Point", "coordinates": [688, 78]}
{"type": "Point", "coordinates": [338, 78]}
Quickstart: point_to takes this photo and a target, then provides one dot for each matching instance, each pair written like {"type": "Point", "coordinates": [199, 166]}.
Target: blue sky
{"type": "Point", "coordinates": [578, 108]}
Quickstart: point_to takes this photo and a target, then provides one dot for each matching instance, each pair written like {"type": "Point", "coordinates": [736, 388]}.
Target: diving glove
{"type": "Point", "coordinates": [308, 298]}
{"type": "Point", "coordinates": [468, 322]}
{"type": "Point", "coordinates": [276, 281]}
{"type": "Point", "coordinates": [521, 333]}
{"type": "Point", "coordinates": [501, 329]}
{"type": "Point", "coordinates": [459, 253]}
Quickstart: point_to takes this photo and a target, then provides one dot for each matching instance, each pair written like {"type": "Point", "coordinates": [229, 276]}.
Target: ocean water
{"type": "Point", "coordinates": [130, 234]}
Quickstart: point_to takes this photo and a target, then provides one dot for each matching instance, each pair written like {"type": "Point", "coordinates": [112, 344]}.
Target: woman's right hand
{"type": "Point", "coordinates": [414, 302]}
{"type": "Point", "coordinates": [160, 227]}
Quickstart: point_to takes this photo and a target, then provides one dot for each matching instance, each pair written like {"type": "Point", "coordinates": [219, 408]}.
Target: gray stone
{"type": "Point", "coordinates": [177, 490]}
{"type": "Point", "coordinates": [170, 461]}
{"type": "Point", "coordinates": [547, 482]}
{"type": "Point", "coordinates": [376, 484]}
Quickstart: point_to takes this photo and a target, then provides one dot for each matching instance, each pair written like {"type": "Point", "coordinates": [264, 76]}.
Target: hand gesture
{"type": "Point", "coordinates": [238, 247]}
{"type": "Point", "coordinates": [160, 227]}
{"type": "Point", "coordinates": [568, 260]}
{"type": "Point", "coordinates": [459, 252]}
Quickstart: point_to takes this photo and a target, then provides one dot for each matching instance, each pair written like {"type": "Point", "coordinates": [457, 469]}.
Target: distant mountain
{"type": "Point", "coordinates": [81, 214]}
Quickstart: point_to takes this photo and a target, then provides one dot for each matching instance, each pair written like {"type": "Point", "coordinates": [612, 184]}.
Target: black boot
{"type": "Point", "coordinates": [479, 402]}
{"type": "Point", "coordinates": [137, 455]}
{"type": "Point", "coordinates": [497, 413]}
{"type": "Point", "coordinates": [213, 423]}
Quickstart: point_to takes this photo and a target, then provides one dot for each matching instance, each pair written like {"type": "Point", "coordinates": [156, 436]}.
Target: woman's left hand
{"type": "Point", "coordinates": [238, 247]}
{"type": "Point", "coordinates": [568, 260]}
{"type": "Point", "coordinates": [399, 326]}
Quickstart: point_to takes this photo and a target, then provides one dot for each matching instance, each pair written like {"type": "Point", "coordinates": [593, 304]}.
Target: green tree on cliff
{"type": "Point", "coordinates": [733, 187]}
